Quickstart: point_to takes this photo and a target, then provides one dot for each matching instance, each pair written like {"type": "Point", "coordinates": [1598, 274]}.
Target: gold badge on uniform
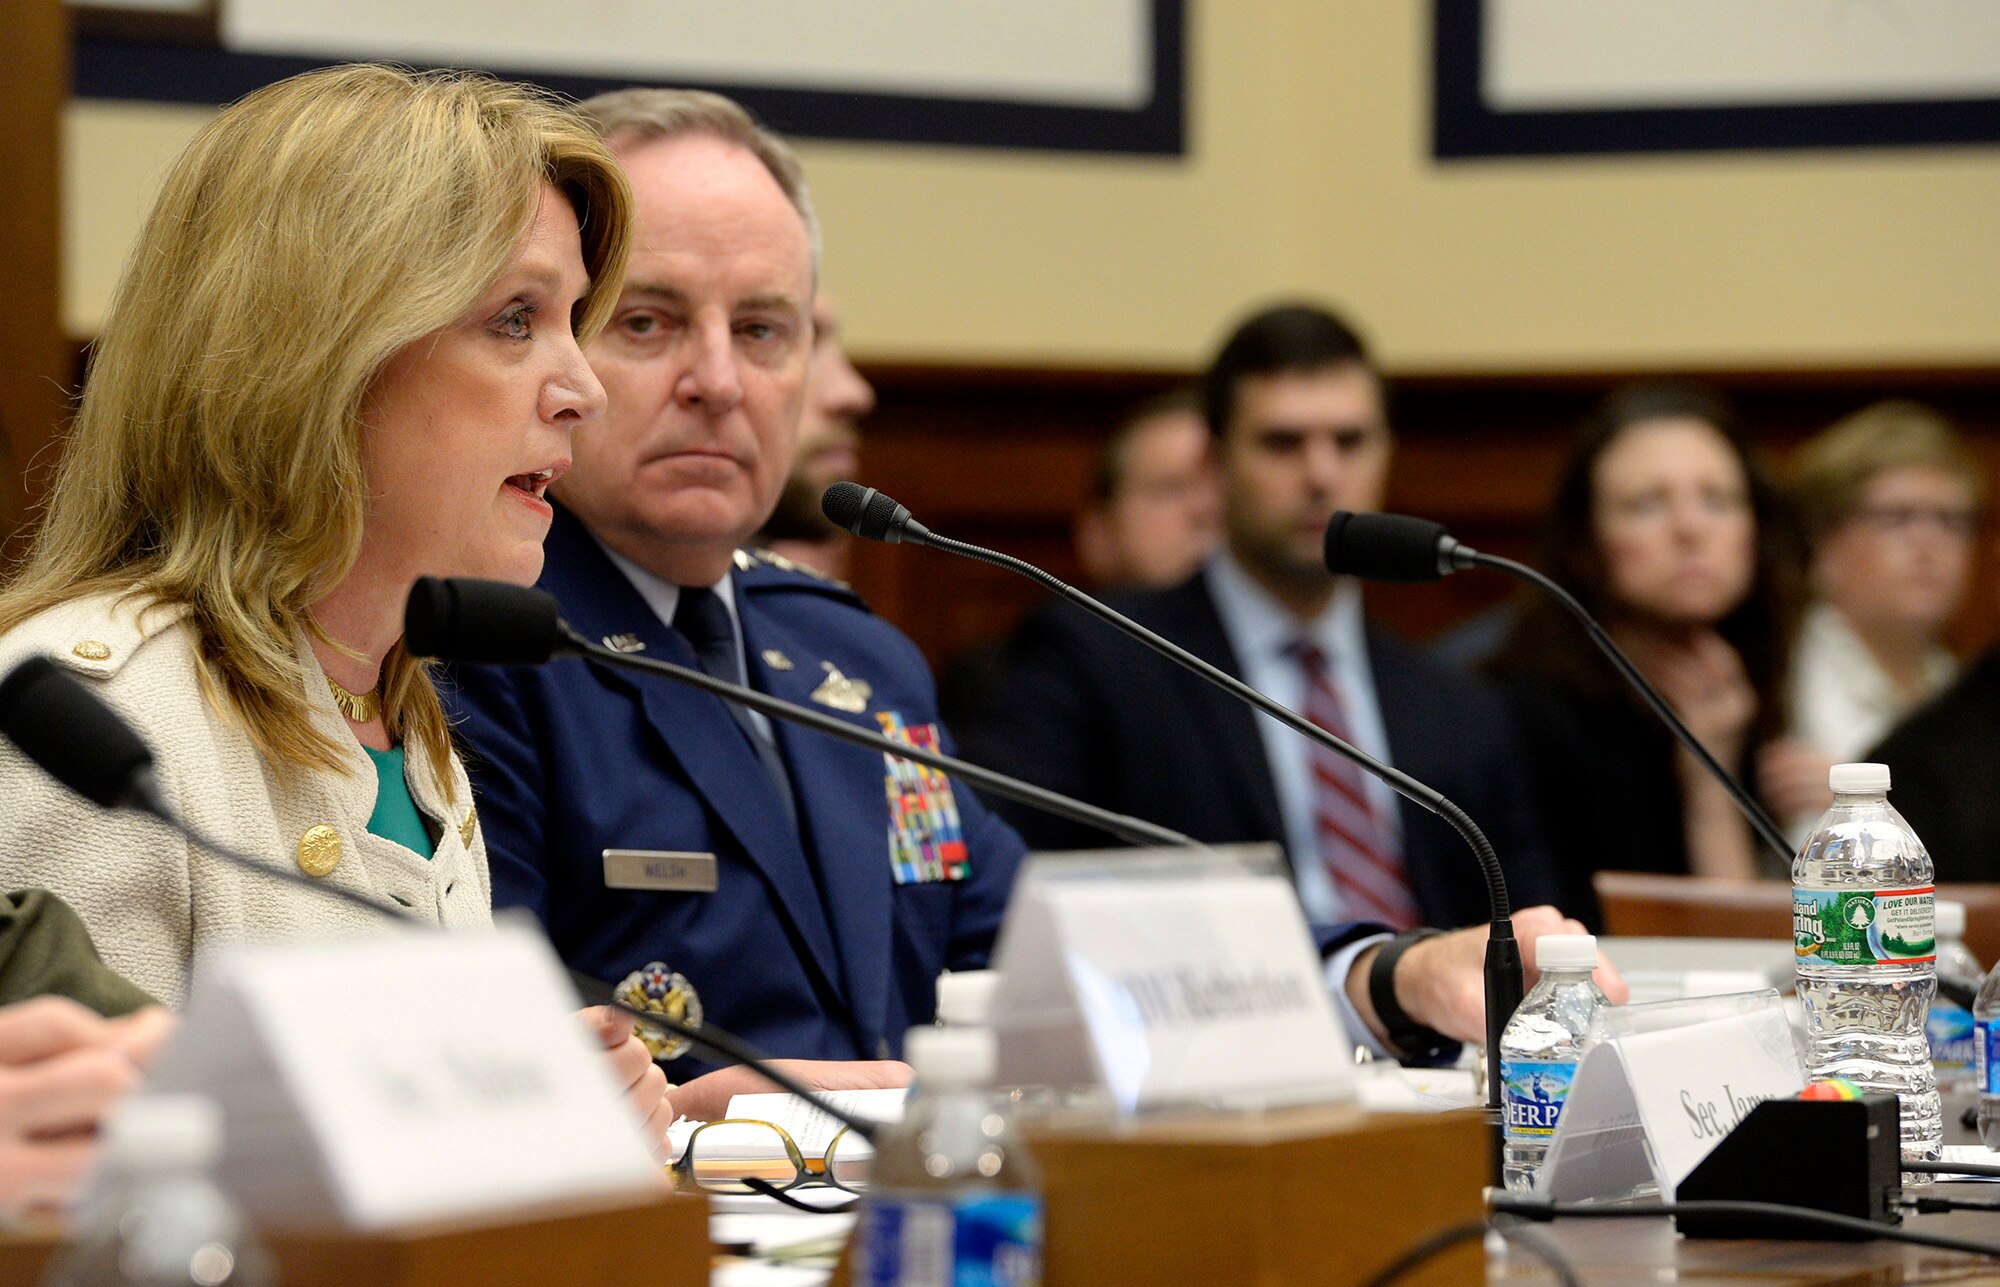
{"type": "Point", "coordinates": [840, 692]}
{"type": "Point", "coordinates": [658, 990]}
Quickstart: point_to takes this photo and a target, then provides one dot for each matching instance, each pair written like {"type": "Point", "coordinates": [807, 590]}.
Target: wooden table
{"type": "Point", "coordinates": [1649, 1251]}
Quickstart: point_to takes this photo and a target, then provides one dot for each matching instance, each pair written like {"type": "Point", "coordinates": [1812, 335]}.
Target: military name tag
{"type": "Point", "coordinates": [659, 869]}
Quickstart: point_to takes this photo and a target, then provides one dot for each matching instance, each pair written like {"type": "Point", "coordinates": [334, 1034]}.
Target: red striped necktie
{"type": "Point", "coordinates": [1360, 852]}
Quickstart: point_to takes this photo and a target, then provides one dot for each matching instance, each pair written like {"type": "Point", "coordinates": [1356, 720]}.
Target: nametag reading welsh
{"type": "Point", "coordinates": [659, 869]}
{"type": "Point", "coordinates": [1166, 978]}
{"type": "Point", "coordinates": [1649, 1105]}
{"type": "Point", "coordinates": [404, 1077]}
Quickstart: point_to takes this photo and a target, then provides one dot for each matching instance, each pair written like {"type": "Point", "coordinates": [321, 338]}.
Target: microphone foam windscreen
{"type": "Point", "coordinates": [486, 622]}
{"type": "Point", "coordinates": [864, 511]}
{"type": "Point", "coordinates": [1383, 547]}
{"type": "Point", "coordinates": [842, 504]}
{"type": "Point", "coordinates": [67, 730]}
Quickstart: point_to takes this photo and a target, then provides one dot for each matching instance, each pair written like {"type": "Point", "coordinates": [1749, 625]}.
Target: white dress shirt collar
{"type": "Point", "coordinates": [664, 598]}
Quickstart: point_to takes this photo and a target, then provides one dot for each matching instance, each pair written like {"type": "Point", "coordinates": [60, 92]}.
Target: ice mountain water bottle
{"type": "Point", "coordinates": [1864, 934]}
{"type": "Point", "coordinates": [1540, 1049]}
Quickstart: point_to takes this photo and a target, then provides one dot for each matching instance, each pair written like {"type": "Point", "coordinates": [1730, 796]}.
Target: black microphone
{"type": "Point", "coordinates": [458, 620]}
{"type": "Point", "coordinates": [74, 737]}
{"type": "Point", "coordinates": [868, 513]}
{"type": "Point", "coordinates": [69, 732]}
{"type": "Point", "coordinates": [1396, 547]}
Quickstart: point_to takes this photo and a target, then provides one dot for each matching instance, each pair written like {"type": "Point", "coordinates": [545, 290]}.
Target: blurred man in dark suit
{"type": "Point", "coordinates": [1301, 430]}
{"type": "Point", "coordinates": [1155, 510]}
{"type": "Point", "coordinates": [838, 397]}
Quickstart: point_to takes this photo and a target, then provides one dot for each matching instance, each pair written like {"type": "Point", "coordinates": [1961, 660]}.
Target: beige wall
{"type": "Point", "coordinates": [1309, 171]}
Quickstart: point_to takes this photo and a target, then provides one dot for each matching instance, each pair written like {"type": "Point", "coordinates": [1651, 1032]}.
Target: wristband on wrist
{"type": "Point", "coordinates": [1413, 1039]}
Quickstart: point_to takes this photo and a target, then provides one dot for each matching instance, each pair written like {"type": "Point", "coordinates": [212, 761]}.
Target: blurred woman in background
{"type": "Point", "coordinates": [1890, 498]}
{"type": "Point", "coordinates": [1671, 534]}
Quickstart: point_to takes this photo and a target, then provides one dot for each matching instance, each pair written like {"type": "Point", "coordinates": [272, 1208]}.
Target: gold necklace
{"type": "Point", "coordinates": [362, 708]}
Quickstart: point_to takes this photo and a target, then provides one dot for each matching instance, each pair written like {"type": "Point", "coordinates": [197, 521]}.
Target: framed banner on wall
{"type": "Point", "coordinates": [1550, 77]}
{"type": "Point", "coordinates": [1106, 76]}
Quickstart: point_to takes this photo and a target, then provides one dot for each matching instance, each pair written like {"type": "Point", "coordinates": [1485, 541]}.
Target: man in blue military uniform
{"type": "Point", "coordinates": [808, 891]}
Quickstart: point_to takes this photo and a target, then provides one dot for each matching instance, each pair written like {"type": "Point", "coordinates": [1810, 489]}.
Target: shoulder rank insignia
{"type": "Point", "coordinates": [784, 563]}
{"type": "Point", "coordinates": [658, 990]}
{"type": "Point", "coordinates": [840, 692]}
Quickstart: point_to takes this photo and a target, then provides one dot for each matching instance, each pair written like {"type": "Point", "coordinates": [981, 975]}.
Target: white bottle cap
{"type": "Point", "coordinates": [1950, 920]}
{"type": "Point", "coordinates": [951, 1058]}
{"type": "Point", "coordinates": [164, 1133]}
{"type": "Point", "coordinates": [965, 997]}
{"type": "Point", "coordinates": [1566, 952]}
{"type": "Point", "coordinates": [1858, 779]}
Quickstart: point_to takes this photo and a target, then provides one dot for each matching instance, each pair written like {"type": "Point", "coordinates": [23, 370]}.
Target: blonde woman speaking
{"type": "Point", "coordinates": [345, 354]}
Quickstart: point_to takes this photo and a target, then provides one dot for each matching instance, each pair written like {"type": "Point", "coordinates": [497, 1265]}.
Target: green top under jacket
{"type": "Point", "coordinates": [45, 949]}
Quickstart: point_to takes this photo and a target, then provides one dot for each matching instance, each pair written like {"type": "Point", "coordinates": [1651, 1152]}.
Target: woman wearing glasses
{"type": "Point", "coordinates": [1891, 498]}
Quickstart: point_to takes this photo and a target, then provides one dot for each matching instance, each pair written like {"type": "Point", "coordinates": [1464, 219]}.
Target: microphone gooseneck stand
{"type": "Point", "coordinates": [868, 513]}
{"type": "Point", "coordinates": [1761, 825]}
{"type": "Point", "coordinates": [1407, 549]}
{"type": "Point", "coordinates": [1135, 830]}
{"type": "Point", "coordinates": [80, 742]}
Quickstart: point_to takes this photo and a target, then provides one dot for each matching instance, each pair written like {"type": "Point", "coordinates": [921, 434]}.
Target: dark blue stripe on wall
{"type": "Point", "coordinates": [167, 72]}
{"type": "Point", "coordinates": [1463, 126]}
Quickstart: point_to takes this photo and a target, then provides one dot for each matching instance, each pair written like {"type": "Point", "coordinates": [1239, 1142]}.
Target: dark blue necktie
{"type": "Point", "coordinates": [704, 620]}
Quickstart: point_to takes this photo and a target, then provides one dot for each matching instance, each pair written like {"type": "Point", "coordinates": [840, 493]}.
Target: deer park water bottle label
{"type": "Point", "coordinates": [977, 1239]}
{"type": "Point", "coordinates": [1864, 926]}
{"type": "Point", "coordinates": [1534, 1093]}
{"type": "Point", "coordinates": [1949, 1029]}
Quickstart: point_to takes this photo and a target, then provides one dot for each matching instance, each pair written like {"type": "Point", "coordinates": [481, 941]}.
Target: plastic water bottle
{"type": "Point", "coordinates": [160, 1220]}
{"type": "Point", "coordinates": [955, 1200]}
{"type": "Point", "coordinates": [965, 998]}
{"type": "Point", "coordinates": [1950, 1025]}
{"type": "Point", "coordinates": [1540, 1049]}
{"type": "Point", "coordinates": [1864, 932]}
{"type": "Point", "coordinates": [1986, 1057]}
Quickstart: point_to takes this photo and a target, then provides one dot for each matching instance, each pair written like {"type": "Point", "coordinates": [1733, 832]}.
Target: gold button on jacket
{"type": "Point", "coordinates": [319, 851]}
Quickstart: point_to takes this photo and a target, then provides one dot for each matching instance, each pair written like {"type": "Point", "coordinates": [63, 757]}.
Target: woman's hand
{"type": "Point", "coordinates": [632, 1064]}
{"type": "Point", "coordinates": [1703, 679]}
{"type": "Point", "coordinates": [63, 1069]}
{"type": "Point", "coordinates": [1792, 776]}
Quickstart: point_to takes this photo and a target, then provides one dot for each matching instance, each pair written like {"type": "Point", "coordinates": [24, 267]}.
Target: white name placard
{"type": "Point", "coordinates": [404, 1077]}
{"type": "Point", "coordinates": [1648, 1104]}
{"type": "Point", "coordinates": [1166, 977]}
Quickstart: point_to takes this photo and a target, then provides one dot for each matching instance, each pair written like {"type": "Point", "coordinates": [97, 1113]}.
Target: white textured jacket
{"type": "Point", "coordinates": [151, 900]}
